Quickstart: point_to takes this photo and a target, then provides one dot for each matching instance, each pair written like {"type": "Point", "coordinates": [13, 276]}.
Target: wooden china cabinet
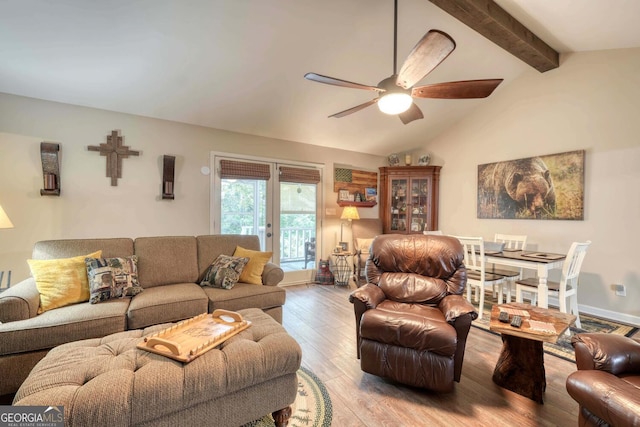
{"type": "Point", "coordinates": [409, 198]}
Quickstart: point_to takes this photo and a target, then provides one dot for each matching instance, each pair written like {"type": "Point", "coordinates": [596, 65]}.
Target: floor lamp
{"type": "Point", "coordinates": [5, 222]}
{"type": "Point", "coordinates": [349, 213]}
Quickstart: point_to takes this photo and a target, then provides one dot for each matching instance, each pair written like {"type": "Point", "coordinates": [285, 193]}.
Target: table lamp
{"type": "Point", "coordinates": [349, 213]}
{"type": "Point", "coordinates": [5, 222]}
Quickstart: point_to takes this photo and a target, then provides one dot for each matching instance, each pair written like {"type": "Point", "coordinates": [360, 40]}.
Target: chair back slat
{"type": "Point", "coordinates": [512, 241]}
{"type": "Point", "coordinates": [573, 262]}
{"type": "Point", "coordinates": [473, 253]}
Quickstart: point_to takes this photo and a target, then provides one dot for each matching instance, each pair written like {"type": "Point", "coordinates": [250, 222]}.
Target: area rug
{"type": "Point", "coordinates": [312, 407]}
{"type": "Point", "coordinates": [562, 348]}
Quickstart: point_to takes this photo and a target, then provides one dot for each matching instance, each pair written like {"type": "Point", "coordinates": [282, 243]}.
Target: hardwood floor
{"type": "Point", "coordinates": [321, 319]}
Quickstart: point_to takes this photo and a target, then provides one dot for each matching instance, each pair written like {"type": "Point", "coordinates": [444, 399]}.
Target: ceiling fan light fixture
{"type": "Point", "coordinates": [395, 102]}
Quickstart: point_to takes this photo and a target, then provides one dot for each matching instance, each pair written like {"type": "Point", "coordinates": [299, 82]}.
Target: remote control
{"type": "Point", "coordinates": [503, 317]}
{"type": "Point", "coordinates": [516, 322]}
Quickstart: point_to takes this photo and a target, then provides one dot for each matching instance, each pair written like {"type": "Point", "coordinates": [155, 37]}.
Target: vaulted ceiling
{"type": "Point", "coordinates": [238, 65]}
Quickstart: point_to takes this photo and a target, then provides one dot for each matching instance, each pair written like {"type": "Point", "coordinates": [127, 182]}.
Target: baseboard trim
{"type": "Point", "coordinates": [604, 314]}
{"type": "Point", "coordinates": [611, 315]}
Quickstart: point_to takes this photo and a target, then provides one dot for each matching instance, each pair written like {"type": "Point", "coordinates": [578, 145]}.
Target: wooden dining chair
{"type": "Point", "coordinates": [477, 276]}
{"type": "Point", "coordinates": [512, 242]}
{"type": "Point", "coordinates": [566, 288]}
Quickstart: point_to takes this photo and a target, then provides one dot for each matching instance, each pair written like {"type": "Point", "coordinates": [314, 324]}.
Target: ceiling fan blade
{"type": "Point", "coordinates": [457, 90]}
{"type": "Point", "coordinates": [354, 109]}
{"type": "Point", "coordinates": [413, 113]}
{"type": "Point", "coordinates": [337, 82]}
{"type": "Point", "coordinates": [430, 51]}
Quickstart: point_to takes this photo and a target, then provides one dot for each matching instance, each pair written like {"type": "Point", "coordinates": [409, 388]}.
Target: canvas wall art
{"type": "Point", "coordinates": [543, 187]}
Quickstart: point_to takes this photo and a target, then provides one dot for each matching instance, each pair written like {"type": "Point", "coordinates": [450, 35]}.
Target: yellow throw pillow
{"type": "Point", "coordinates": [61, 282]}
{"type": "Point", "coordinates": [252, 272]}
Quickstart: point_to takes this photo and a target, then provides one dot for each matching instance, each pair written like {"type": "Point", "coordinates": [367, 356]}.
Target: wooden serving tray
{"type": "Point", "coordinates": [189, 339]}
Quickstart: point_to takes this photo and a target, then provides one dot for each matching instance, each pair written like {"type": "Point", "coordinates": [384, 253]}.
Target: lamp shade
{"type": "Point", "coordinates": [5, 222]}
{"type": "Point", "coordinates": [350, 212]}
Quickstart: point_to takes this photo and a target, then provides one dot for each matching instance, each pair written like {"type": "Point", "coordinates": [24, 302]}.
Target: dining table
{"type": "Point", "coordinates": [540, 261]}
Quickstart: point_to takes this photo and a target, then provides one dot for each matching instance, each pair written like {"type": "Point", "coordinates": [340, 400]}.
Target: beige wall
{"type": "Point", "coordinates": [90, 207]}
{"type": "Point", "coordinates": [591, 102]}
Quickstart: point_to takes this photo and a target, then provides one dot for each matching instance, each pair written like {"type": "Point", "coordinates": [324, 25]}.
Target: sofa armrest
{"type": "Point", "coordinates": [606, 396]}
{"type": "Point", "coordinates": [272, 274]}
{"type": "Point", "coordinates": [454, 306]}
{"type": "Point", "coordinates": [20, 301]}
{"type": "Point", "coordinates": [616, 354]}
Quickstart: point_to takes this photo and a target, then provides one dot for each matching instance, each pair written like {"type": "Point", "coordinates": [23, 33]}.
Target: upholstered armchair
{"type": "Point", "coordinates": [364, 231]}
{"type": "Point", "coordinates": [607, 382]}
{"type": "Point", "coordinates": [412, 320]}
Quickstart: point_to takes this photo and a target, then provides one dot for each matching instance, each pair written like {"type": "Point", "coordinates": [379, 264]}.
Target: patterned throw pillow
{"type": "Point", "coordinates": [111, 278]}
{"type": "Point", "coordinates": [224, 272]}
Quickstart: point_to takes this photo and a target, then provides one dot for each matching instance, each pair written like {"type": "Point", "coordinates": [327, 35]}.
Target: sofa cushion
{"type": "Point", "coordinates": [252, 273]}
{"type": "Point", "coordinates": [61, 281]}
{"type": "Point", "coordinates": [52, 249]}
{"type": "Point", "coordinates": [224, 272]}
{"type": "Point", "coordinates": [245, 295]}
{"type": "Point", "coordinates": [166, 260]}
{"type": "Point", "coordinates": [168, 303]}
{"type": "Point", "coordinates": [111, 278]}
{"type": "Point", "coordinates": [62, 325]}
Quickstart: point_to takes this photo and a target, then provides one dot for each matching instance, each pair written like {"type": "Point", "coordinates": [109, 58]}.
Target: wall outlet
{"type": "Point", "coordinates": [620, 290]}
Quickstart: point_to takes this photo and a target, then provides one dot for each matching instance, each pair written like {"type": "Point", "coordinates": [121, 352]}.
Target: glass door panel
{"type": "Point", "coordinates": [419, 204]}
{"type": "Point", "coordinates": [298, 223]}
{"type": "Point", "coordinates": [243, 207]}
{"type": "Point", "coordinates": [399, 199]}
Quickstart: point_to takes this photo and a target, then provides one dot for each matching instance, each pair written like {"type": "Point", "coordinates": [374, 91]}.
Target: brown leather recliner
{"type": "Point", "coordinates": [411, 318]}
{"type": "Point", "coordinates": [607, 382]}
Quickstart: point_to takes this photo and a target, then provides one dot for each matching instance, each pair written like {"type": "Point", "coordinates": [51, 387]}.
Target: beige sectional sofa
{"type": "Point", "coordinates": [169, 269]}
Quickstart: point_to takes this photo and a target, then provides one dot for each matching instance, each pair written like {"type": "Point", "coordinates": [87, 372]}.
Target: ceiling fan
{"type": "Point", "coordinates": [396, 93]}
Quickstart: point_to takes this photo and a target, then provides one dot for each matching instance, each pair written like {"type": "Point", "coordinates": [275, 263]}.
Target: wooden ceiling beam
{"type": "Point", "coordinates": [493, 22]}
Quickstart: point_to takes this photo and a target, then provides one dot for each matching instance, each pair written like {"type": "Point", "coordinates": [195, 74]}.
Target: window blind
{"type": "Point", "coordinates": [299, 175]}
{"type": "Point", "coordinates": [233, 169]}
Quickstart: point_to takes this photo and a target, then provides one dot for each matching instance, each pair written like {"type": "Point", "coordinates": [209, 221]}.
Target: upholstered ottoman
{"type": "Point", "coordinates": [109, 382]}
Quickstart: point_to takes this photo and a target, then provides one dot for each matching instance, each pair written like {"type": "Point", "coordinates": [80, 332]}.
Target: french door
{"type": "Point", "coordinates": [278, 202]}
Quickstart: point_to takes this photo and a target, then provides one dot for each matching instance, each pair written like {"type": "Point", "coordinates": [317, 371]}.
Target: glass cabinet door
{"type": "Point", "coordinates": [419, 205]}
{"type": "Point", "coordinates": [399, 204]}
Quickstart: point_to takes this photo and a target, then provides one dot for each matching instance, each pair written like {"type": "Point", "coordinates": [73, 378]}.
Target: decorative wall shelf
{"type": "Point", "coordinates": [343, 203]}
{"type": "Point", "coordinates": [50, 168]}
{"type": "Point", "coordinates": [168, 177]}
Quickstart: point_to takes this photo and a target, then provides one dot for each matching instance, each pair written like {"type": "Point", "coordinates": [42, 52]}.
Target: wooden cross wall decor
{"type": "Point", "coordinates": [115, 152]}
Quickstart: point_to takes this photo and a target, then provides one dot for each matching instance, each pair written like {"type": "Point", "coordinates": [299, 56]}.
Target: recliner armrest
{"type": "Point", "coordinates": [272, 274]}
{"type": "Point", "coordinates": [454, 306]}
{"type": "Point", "coordinates": [369, 295]}
{"type": "Point", "coordinates": [363, 299]}
{"type": "Point", "coordinates": [616, 354]}
{"type": "Point", "coordinates": [20, 301]}
{"type": "Point", "coordinates": [608, 397]}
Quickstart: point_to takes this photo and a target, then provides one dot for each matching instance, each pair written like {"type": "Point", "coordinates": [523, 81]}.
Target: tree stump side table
{"type": "Point", "coordinates": [520, 367]}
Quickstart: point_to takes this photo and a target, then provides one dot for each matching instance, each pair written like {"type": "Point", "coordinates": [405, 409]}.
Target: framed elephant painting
{"type": "Point", "coordinates": [542, 187]}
